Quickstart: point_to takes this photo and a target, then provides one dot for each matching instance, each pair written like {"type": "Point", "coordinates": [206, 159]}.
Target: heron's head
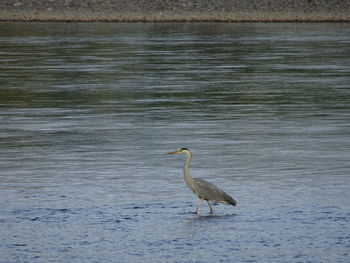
{"type": "Point", "coordinates": [181, 150]}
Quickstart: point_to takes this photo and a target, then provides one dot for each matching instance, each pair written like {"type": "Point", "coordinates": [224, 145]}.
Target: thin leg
{"type": "Point", "coordinates": [198, 205]}
{"type": "Point", "coordinates": [210, 207]}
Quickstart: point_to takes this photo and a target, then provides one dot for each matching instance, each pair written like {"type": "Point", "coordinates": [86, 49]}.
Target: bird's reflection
{"type": "Point", "coordinates": [210, 222]}
{"type": "Point", "coordinates": [208, 217]}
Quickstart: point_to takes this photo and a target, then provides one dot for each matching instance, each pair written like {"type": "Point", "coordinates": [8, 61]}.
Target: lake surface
{"type": "Point", "coordinates": [87, 111]}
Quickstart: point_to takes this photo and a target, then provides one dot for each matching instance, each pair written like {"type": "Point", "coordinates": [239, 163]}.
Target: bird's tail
{"type": "Point", "coordinates": [230, 200]}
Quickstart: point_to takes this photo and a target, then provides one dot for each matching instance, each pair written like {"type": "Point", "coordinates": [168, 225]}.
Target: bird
{"type": "Point", "coordinates": [203, 189]}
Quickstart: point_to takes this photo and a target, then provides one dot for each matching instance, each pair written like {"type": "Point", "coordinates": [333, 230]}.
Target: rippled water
{"type": "Point", "coordinates": [87, 112]}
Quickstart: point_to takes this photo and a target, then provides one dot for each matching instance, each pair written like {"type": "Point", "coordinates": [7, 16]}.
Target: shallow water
{"type": "Point", "coordinates": [88, 111]}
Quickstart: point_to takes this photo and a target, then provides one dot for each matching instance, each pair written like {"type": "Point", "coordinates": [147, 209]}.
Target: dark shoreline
{"type": "Point", "coordinates": [176, 10]}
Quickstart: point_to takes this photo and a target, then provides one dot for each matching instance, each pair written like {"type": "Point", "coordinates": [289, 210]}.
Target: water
{"type": "Point", "coordinates": [88, 111]}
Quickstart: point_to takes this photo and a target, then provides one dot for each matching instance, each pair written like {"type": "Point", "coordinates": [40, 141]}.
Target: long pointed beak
{"type": "Point", "coordinates": [172, 152]}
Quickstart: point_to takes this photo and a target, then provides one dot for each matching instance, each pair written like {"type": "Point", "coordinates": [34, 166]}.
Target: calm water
{"type": "Point", "coordinates": [87, 112]}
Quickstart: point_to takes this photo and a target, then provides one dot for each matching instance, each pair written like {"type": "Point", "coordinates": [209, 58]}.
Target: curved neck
{"type": "Point", "coordinates": [187, 176]}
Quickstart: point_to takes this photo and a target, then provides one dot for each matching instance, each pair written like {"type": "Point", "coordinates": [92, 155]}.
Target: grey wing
{"type": "Point", "coordinates": [208, 191]}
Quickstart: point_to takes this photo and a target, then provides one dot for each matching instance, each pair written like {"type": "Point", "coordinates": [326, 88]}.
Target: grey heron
{"type": "Point", "coordinates": [203, 189]}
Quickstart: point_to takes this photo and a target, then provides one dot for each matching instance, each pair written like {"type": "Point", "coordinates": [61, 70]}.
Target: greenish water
{"type": "Point", "coordinates": [87, 111]}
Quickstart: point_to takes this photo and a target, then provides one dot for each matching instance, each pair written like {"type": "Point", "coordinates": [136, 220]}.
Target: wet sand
{"type": "Point", "coordinates": [174, 10]}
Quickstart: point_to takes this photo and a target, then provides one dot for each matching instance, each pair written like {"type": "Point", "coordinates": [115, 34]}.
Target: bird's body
{"type": "Point", "coordinates": [203, 189]}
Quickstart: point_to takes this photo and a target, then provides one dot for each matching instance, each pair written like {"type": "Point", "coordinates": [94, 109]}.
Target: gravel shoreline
{"type": "Point", "coordinates": [175, 10]}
